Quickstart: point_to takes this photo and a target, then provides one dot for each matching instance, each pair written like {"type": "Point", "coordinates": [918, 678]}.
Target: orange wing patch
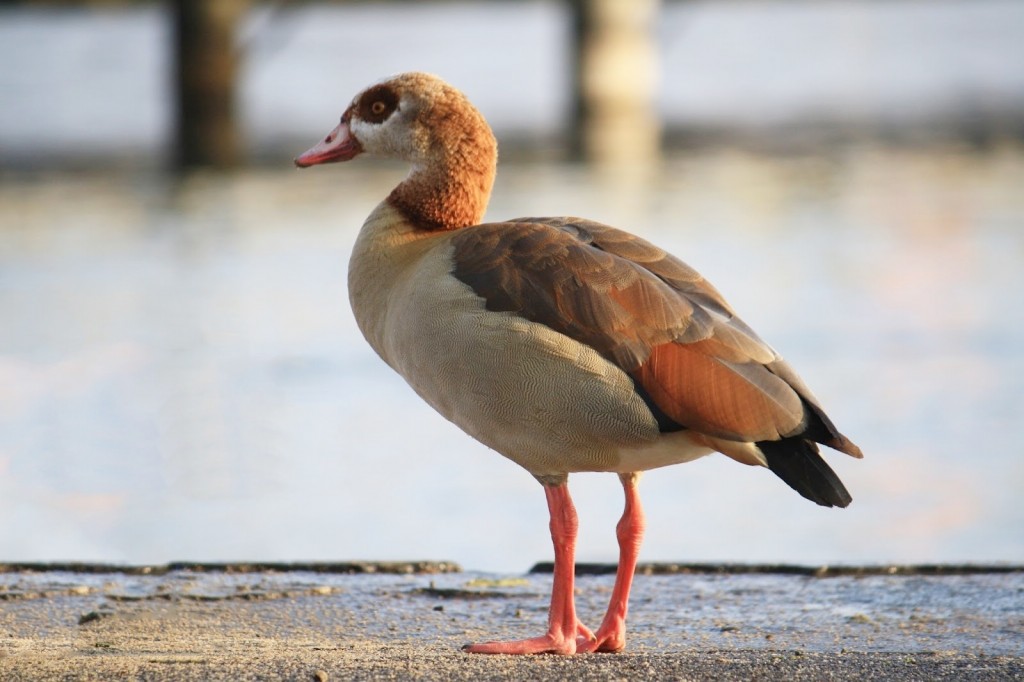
{"type": "Point", "coordinates": [742, 402]}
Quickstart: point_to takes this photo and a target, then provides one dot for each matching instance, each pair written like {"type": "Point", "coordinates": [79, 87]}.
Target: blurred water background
{"type": "Point", "coordinates": [181, 378]}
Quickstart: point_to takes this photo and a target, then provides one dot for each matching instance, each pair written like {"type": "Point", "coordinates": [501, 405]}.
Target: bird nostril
{"type": "Point", "coordinates": [328, 139]}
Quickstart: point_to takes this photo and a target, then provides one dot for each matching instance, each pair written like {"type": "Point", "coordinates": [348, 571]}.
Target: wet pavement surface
{"type": "Point", "coordinates": [384, 621]}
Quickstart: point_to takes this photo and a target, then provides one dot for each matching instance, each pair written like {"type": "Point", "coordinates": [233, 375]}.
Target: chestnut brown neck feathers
{"type": "Point", "coordinates": [450, 183]}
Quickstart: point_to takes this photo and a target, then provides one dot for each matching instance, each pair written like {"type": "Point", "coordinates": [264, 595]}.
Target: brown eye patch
{"type": "Point", "coordinates": [377, 103]}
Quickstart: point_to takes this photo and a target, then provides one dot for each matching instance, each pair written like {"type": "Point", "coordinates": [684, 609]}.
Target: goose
{"type": "Point", "coordinates": [561, 343]}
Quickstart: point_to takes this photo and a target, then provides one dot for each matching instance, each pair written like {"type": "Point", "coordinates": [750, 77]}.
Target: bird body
{"type": "Point", "coordinates": [564, 344]}
{"type": "Point", "coordinates": [548, 402]}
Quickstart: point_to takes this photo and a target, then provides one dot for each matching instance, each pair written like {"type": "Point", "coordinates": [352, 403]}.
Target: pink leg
{"type": "Point", "coordinates": [611, 636]}
{"type": "Point", "coordinates": [563, 627]}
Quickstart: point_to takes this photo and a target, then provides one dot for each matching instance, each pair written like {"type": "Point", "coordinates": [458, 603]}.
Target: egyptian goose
{"type": "Point", "coordinates": [564, 344]}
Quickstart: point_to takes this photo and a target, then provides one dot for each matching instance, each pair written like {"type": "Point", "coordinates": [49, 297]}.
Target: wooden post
{"type": "Point", "coordinates": [207, 64]}
{"type": "Point", "coordinates": [615, 88]}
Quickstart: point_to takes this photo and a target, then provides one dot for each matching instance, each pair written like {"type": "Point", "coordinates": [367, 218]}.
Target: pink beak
{"type": "Point", "coordinates": [339, 145]}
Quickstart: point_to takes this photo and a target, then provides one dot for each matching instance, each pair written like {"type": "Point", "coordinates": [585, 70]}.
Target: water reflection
{"type": "Point", "coordinates": [180, 376]}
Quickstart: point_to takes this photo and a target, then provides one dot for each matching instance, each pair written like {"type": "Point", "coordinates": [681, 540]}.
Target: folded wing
{"type": "Point", "coordinates": [693, 360]}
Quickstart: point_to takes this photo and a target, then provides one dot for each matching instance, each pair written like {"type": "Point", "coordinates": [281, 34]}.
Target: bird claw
{"type": "Point", "coordinates": [551, 643]}
{"type": "Point", "coordinates": [606, 643]}
{"type": "Point", "coordinates": [610, 637]}
{"type": "Point", "coordinates": [546, 644]}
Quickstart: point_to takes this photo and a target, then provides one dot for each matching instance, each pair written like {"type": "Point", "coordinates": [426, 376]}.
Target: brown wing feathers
{"type": "Point", "coordinates": [662, 323]}
{"type": "Point", "coordinates": [552, 276]}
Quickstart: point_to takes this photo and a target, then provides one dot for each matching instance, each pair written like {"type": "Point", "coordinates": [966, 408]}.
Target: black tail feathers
{"type": "Point", "coordinates": [797, 462]}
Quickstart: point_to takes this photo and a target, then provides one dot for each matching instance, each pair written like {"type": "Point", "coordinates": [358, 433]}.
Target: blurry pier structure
{"type": "Point", "coordinates": [206, 68]}
{"type": "Point", "coordinates": [614, 82]}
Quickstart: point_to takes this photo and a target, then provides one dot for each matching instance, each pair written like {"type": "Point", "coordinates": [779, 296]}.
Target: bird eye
{"type": "Point", "coordinates": [376, 104]}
